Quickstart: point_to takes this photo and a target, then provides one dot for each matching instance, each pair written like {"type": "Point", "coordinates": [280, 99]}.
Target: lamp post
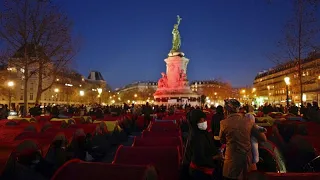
{"type": "Point", "coordinates": [135, 97]}
{"type": "Point", "coordinates": [99, 92]}
{"type": "Point", "coordinates": [287, 81]}
{"type": "Point", "coordinates": [10, 85]}
{"type": "Point", "coordinates": [81, 92]}
{"type": "Point", "coordinates": [56, 90]}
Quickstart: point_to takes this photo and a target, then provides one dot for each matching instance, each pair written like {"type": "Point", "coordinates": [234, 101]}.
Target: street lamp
{"type": "Point", "coordinates": [10, 85]}
{"type": "Point", "coordinates": [81, 92]}
{"type": "Point", "coordinates": [99, 92]}
{"type": "Point", "coordinates": [56, 90]}
{"type": "Point", "coordinates": [287, 81]}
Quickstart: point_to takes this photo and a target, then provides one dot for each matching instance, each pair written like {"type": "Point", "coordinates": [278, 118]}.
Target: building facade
{"type": "Point", "coordinates": [271, 87]}
{"type": "Point", "coordinates": [63, 89]}
{"type": "Point", "coordinates": [214, 90]}
{"type": "Point", "coordinates": [138, 92]}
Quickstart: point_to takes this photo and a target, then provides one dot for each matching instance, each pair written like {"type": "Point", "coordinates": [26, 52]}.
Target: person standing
{"type": "Point", "coordinates": [215, 124]}
{"type": "Point", "coordinates": [254, 141]}
{"type": "Point", "coordinates": [147, 115]}
{"type": "Point", "coordinates": [204, 154]}
{"type": "Point", "coordinates": [236, 131]}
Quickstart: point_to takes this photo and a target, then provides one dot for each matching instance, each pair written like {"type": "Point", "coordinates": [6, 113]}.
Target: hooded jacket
{"type": "Point", "coordinates": [201, 147]}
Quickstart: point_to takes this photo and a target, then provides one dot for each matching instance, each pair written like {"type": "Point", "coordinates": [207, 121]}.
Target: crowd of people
{"type": "Point", "coordinates": [230, 150]}
{"type": "Point", "coordinates": [309, 111]}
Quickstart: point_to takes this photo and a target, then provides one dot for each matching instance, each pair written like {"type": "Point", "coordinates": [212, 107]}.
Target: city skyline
{"type": "Point", "coordinates": [126, 45]}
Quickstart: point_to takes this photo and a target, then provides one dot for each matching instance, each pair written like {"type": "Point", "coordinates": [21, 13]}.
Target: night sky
{"type": "Point", "coordinates": [127, 40]}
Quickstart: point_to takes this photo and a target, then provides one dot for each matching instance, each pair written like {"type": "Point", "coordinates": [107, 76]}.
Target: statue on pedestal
{"type": "Point", "coordinates": [163, 82]}
{"type": "Point", "coordinates": [176, 40]}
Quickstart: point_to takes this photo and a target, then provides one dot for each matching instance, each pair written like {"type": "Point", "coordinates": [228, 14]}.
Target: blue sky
{"type": "Point", "coordinates": [128, 40]}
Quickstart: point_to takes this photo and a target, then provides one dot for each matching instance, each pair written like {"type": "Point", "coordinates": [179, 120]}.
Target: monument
{"type": "Point", "coordinates": [173, 86]}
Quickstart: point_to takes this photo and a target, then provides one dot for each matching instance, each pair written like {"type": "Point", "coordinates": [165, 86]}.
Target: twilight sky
{"type": "Point", "coordinates": [127, 40]}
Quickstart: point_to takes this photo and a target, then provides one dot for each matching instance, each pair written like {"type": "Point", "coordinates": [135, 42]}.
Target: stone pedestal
{"type": "Point", "coordinates": [173, 87]}
{"type": "Point", "coordinates": [175, 66]}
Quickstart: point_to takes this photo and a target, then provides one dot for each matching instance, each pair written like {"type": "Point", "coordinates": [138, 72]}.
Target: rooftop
{"type": "Point", "coordinates": [136, 84]}
{"type": "Point", "coordinates": [96, 76]}
{"type": "Point", "coordinates": [215, 81]}
{"type": "Point", "coordinates": [287, 65]}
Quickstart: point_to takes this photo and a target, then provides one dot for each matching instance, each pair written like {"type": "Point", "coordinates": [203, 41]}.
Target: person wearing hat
{"type": "Point", "coordinates": [235, 132]}
{"type": "Point", "coordinates": [204, 155]}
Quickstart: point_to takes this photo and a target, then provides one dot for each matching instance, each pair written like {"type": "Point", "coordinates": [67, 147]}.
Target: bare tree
{"type": "Point", "coordinates": [38, 38]}
{"type": "Point", "coordinates": [301, 35]}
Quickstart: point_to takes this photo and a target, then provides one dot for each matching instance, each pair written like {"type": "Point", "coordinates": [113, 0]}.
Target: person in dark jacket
{"type": "Point", "coordinates": [215, 124]}
{"type": "Point", "coordinates": [55, 112]}
{"type": "Point", "coordinates": [188, 153]}
{"type": "Point", "coordinates": [147, 111]}
{"type": "Point", "coordinates": [204, 154]}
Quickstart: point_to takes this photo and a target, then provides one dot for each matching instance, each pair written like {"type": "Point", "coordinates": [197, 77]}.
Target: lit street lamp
{"type": "Point", "coordinates": [81, 92]}
{"type": "Point", "coordinates": [287, 81]}
{"type": "Point", "coordinates": [99, 92]}
{"type": "Point", "coordinates": [56, 90]}
{"type": "Point", "coordinates": [10, 85]}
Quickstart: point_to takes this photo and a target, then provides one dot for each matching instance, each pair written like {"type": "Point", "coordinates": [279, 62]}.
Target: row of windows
{"type": "Point", "coordinates": [292, 89]}
{"type": "Point", "coordinates": [310, 70]}
{"type": "Point", "coordinates": [30, 96]}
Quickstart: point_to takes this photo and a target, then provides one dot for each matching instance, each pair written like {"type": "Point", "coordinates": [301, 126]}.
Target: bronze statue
{"type": "Point", "coordinates": [176, 40]}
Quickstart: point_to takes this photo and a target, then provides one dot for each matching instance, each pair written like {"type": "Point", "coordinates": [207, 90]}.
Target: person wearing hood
{"type": "Point", "coordinates": [204, 154]}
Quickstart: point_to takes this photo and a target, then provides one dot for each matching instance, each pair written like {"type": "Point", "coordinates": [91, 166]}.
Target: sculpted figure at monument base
{"type": "Point", "coordinates": [163, 82]}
